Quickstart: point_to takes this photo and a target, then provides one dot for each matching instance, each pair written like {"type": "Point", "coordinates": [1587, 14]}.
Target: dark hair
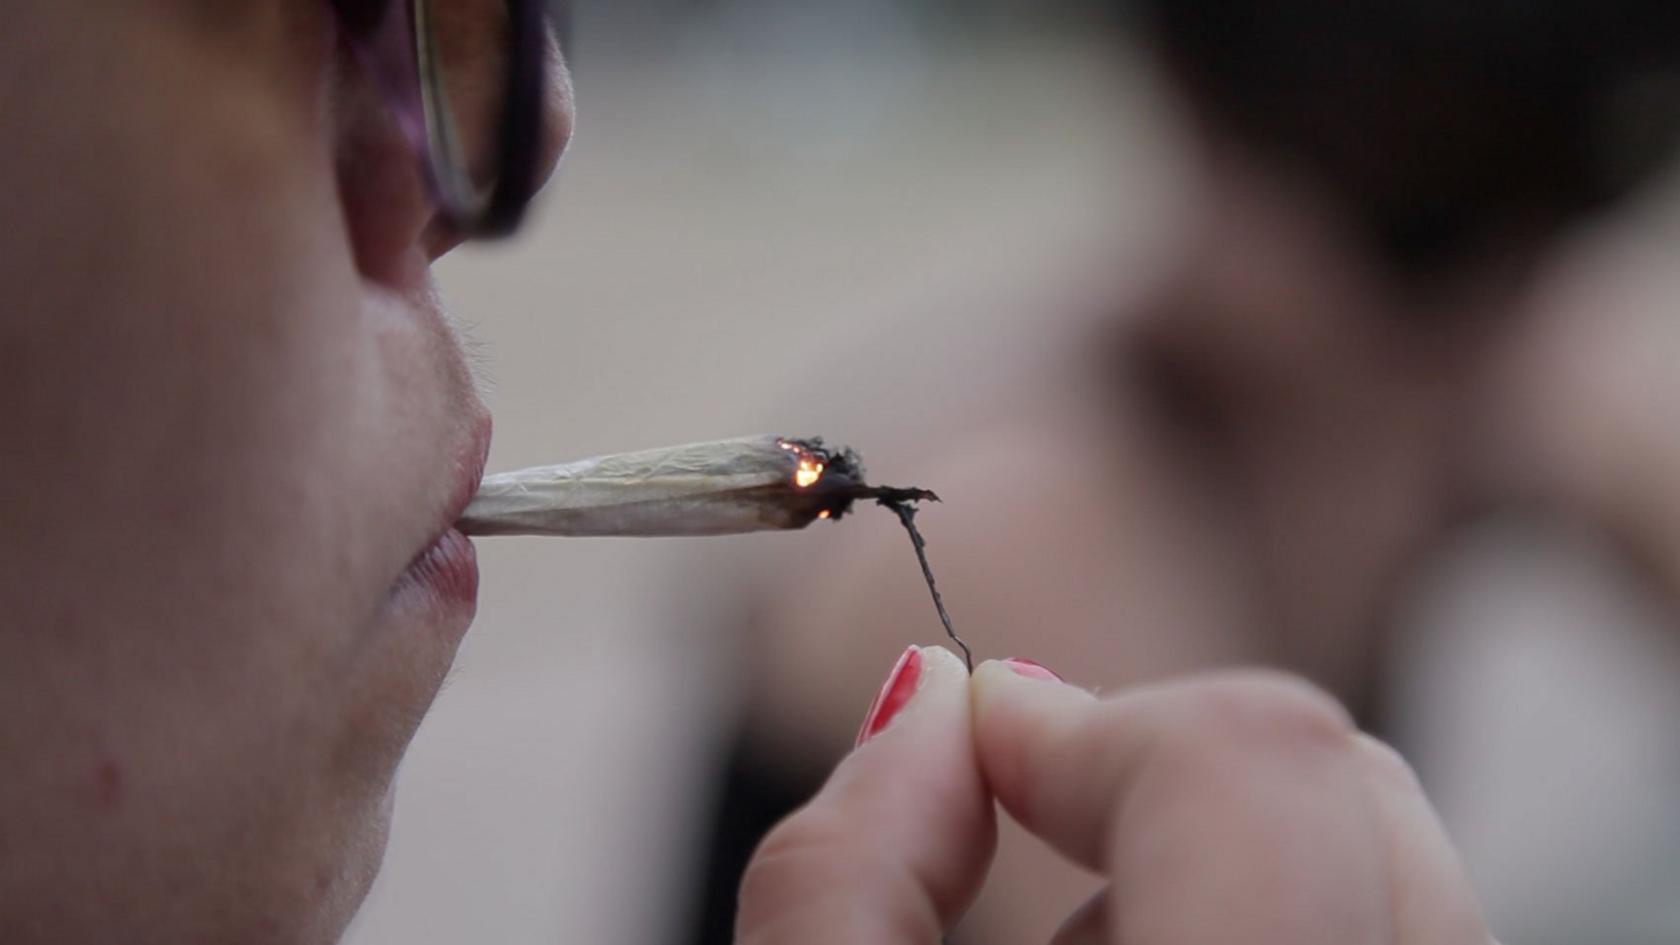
{"type": "Point", "coordinates": [1441, 123]}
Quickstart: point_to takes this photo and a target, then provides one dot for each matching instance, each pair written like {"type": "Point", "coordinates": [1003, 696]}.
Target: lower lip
{"type": "Point", "coordinates": [448, 570]}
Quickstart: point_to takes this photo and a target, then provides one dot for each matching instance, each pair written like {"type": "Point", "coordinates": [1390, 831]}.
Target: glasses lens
{"type": "Point", "coordinates": [466, 52]}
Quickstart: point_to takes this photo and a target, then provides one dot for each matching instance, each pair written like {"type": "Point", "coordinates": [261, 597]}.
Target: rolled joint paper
{"type": "Point", "coordinates": [751, 484]}
{"type": "Point", "coordinates": [755, 483]}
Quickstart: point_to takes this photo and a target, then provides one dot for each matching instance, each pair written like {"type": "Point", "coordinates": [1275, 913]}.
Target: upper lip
{"type": "Point", "coordinates": [470, 462]}
{"type": "Point", "coordinates": [473, 462]}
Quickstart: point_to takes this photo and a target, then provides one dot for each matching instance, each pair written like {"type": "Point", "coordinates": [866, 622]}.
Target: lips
{"type": "Point", "coordinates": [447, 568]}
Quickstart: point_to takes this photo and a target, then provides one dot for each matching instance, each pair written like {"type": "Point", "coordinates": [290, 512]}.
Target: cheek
{"type": "Point", "coordinates": [215, 440]}
{"type": "Point", "coordinates": [210, 451]}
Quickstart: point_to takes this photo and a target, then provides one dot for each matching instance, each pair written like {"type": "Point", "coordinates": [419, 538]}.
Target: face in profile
{"type": "Point", "coordinates": [238, 429]}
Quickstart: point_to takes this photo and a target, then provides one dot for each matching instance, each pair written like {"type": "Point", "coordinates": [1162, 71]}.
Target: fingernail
{"type": "Point", "coordinates": [895, 692]}
{"type": "Point", "coordinates": [1025, 667]}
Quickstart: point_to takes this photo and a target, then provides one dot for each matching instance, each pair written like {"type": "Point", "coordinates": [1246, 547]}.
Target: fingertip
{"type": "Point", "coordinates": [1016, 682]}
{"type": "Point", "coordinates": [990, 682]}
{"type": "Point", "coordinates": [947, 664]}
{"type": "Point", "coordinates": [924, 680]}
{"type": "Point", "coordinates": [1011, 702]}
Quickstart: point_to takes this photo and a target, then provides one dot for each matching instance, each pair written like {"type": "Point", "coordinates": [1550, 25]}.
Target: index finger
{"type": "Point", "coordinates": [895, 845]}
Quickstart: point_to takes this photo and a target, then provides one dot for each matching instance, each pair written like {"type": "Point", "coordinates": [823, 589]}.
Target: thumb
{"type": "Point", "coordinates": [1229, 807]}
{"type": "Point", "coordinates": [895, 845]}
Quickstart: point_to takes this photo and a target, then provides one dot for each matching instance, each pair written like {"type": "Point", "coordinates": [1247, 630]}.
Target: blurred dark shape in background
{"type": "Point", "coordinates": [1448, 126]}
{"type": "Point", "coordinates": [1450, 129]}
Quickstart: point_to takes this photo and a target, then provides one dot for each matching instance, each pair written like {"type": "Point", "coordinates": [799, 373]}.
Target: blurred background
{"type": "Point", "coordinates": [1032, 256]}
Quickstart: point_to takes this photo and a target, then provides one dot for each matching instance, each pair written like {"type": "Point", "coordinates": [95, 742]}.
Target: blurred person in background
{"type": "Point", "coordinates": [1395, 310]}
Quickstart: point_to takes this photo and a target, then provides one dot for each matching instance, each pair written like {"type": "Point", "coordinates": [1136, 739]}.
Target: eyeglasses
{"type": "Point", "coordinates": [465, 81]}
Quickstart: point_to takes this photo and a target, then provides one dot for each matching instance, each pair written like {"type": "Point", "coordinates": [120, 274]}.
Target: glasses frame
{"type": "Point", "coordinates": [396, 42]}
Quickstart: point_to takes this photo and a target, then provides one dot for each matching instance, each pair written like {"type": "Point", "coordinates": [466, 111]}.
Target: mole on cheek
{"type": "Point", "coordinates": [108, 784]}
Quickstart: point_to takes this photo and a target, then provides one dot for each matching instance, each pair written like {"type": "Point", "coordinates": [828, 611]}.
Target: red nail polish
{"type": "Point", "coordinates": [895, 692]}
{"type": "Point", "coordinates": [1025, 667]}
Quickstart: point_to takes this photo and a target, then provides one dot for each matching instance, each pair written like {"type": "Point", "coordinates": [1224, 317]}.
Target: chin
{"type": "Point", "coordinates": [362, 859]}
{"type": "Point", "coordinates": [317, 896]}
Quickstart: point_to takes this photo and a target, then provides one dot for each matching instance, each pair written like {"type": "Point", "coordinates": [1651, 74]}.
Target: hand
{"type": "Point", "coordinates": [1237, 807]}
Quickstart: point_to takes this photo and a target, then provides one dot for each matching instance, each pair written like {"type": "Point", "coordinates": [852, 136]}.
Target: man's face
{"type": "Point", "coordinates": [235, 423]}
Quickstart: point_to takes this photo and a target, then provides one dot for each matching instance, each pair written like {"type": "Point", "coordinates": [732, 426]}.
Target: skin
{"type": "Point", "coordinates": [234, 413]}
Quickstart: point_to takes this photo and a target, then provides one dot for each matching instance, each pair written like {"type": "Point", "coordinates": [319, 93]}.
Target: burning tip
{"type": "Point", "coordinates": [811, 463]}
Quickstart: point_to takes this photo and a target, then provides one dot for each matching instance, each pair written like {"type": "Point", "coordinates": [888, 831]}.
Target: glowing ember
{"type": "Point", "coordinates": [810, 466]}
{"type": "Point", "coordinates": [823, 514]}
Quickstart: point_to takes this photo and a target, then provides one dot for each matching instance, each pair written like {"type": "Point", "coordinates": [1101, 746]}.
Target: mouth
{"type": "Point", "coordinates": [446, 570]}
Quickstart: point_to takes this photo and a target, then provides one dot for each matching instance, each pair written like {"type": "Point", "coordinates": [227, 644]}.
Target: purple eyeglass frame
{"type": "Point", "coordinates": [394, 41]}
